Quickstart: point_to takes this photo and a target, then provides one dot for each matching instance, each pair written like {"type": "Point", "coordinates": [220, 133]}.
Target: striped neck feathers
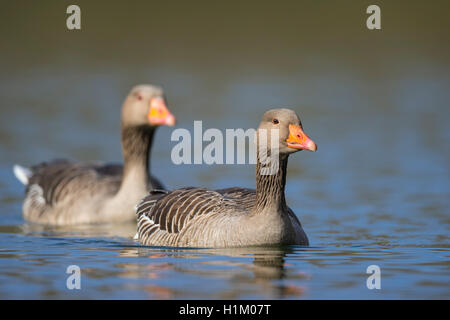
{"type": "Point", "coordinates": [136, 145]}
{"type": "Point", "coordinates": [270, 183]}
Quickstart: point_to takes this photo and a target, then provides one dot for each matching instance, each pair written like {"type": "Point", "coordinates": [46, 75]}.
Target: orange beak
{"type": "Point", "coordinates": [299, 140]}
{"type": "Point", "coordinates": [159, 114]}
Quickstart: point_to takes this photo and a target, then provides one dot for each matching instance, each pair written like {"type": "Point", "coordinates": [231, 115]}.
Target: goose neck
{"type": "Point", "coordinates": [136, 145]}
{"type": "Point", "coordinates": [270, 184]}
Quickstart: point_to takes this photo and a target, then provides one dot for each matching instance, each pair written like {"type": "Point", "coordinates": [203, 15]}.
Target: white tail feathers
{"type": "Point", "coordinates": [22, 173]}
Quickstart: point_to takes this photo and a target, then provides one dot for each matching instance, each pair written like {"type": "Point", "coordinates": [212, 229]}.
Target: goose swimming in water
{"type": "Point", "coordinates": [61, 192]}
{"type": "Point", "coordinates": [233, 217]}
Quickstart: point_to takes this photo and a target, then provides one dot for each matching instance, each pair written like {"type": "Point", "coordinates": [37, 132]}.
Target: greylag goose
{"type": "Point", "coordinates": [233, 217]}
{"type": "Point", "coordinates": [61, 192]}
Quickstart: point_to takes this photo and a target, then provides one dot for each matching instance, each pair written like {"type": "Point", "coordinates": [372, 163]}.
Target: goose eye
{"type": "Point", "coordinates": [139, 97]}
{"type": "Point", "coordinates": [275, 121]}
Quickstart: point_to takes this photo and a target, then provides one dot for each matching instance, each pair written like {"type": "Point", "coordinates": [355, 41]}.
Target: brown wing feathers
{"type": "Point", "coordinates": [58, 179]}
{"type": "Point", "coordinates": [170, 212]}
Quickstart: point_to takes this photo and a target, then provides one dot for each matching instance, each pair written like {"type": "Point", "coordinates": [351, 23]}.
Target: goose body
{"type": "Point", "coordinates": [198, 217]}
{"type": "Point", "coordinates": [232, 217]}
{"type": "Point", "coordinates": [61, 192]}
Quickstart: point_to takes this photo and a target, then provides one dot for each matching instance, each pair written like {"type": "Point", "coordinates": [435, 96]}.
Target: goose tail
{"type": "Point", "coordinates": [23, 174]}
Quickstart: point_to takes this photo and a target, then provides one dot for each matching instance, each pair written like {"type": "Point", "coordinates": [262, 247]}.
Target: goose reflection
{"type": "Point", "coordinates": [123, 230]}
{"type": "Point", "coordinates": [247, 272]}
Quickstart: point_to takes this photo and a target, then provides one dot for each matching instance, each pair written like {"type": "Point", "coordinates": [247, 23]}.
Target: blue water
{"type": "Point", "coordinates": [376, 192]}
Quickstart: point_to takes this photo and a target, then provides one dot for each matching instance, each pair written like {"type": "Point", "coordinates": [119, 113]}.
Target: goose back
{"type": "Point", "coordinates": [198, 217]}
{"type": "Point", "coordinates": [60, 191]}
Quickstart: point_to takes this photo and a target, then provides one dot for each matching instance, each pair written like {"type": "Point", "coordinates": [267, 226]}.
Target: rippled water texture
{"type": "Point", "coordinates": [376, 102]}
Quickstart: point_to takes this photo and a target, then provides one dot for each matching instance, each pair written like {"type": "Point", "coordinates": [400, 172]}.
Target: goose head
{"type": "Point", "coordinates": [146, 105]}
{"type": "Point", "coordinates": [291, 136]}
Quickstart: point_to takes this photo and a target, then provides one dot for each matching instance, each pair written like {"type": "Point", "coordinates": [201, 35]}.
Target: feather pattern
{"type": "Point", "coordinates": [60, 191]}
{"type": "Point", "coordinates": [198, 217]}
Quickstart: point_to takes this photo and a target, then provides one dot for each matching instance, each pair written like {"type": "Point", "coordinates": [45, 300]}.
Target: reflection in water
{"type": "Point", "coordinates": [265, 273]}
{"type": "Point", "coordinates": [124, 230]}
{"type": "Point", "coordinates": [246, 271]}
{"type": "Point", "coordinates": [115, 267]}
